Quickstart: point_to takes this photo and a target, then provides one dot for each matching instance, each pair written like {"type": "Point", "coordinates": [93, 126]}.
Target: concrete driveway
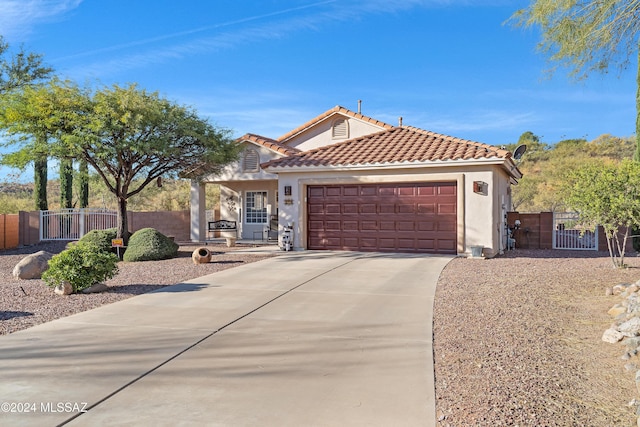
{"type": "Point", "coordinates": [309, 338]}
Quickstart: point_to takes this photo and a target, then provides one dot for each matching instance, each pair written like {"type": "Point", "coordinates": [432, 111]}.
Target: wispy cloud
{"type": "Point", "coordinates": [18, 17]}
{"type": "Point", "coordinates": [480, 121]}
{"type": "Point", "coordinates": [256, 28]}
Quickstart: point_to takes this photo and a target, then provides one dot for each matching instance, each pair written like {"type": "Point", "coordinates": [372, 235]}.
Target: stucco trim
{"type": "Point", "coordinates": [511, 170]}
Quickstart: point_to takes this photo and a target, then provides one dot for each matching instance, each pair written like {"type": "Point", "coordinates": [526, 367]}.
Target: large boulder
{"type": "Point", "coordinates": [32, 266]}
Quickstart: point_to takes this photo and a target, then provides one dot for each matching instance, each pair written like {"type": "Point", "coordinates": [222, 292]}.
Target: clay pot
{"type": "Point", "coordinates": [201, 255]}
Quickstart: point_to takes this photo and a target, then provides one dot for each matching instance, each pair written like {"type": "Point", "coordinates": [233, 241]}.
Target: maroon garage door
{"type": "Point", "coordinates": [411, 217]}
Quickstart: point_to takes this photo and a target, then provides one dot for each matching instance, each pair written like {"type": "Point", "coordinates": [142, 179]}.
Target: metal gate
{"type": "Point", "coordinates": [568, 235]}
{"type": "Point", "coordinates": [72, 224]}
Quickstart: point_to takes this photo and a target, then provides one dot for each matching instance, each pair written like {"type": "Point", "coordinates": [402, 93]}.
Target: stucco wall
{"type": "Point", "coordinates": [320, 134]}
{"type": "Point", "coordinates": [234, 171]}
{"type": "Point", "coordinates": [232, 206]}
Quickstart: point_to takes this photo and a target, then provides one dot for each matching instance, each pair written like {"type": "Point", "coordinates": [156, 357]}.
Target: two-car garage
{"type": "Point", "coordinates": [398, 217]}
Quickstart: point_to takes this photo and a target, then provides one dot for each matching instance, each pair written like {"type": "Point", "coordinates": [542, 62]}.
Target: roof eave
{"type": "Point", "coordinates": [396, 165]}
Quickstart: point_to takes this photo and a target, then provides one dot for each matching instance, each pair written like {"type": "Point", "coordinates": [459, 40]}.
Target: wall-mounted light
{"type": "Point", "coordinates": [287, 190]}
{"type": "Point", "coordinates": [479, 187]}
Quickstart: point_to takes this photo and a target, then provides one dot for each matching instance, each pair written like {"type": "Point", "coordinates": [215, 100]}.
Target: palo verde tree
{"type": "Point", "coordinates": [16, 73]}
{"type": "Point", "coordinates": [607, 193]}
{"type": "Point", "coordinates": [131, 137]}
{"type": "Point", "coordinates": [588, 36]}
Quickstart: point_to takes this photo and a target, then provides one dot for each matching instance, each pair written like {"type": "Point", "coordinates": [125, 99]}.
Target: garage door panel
{"type": "Point", "coordinates": [350, 191]}
{"type": "Point", "coordinates": [406, 217]}
{"type": "Point", "coordinates": [316, 225]}
{"type": "Point", "coordinates": [447, 189]}
{"type": "Point", "coordinates": [447, 245]}
{"type": "Point", "coordinates": [426, 244]}
{"type": "Point", "coordinates": [368, 191]}
{"type": "Point", "coordinates": [447, 208]}
{"type": "Point", "coordinates": [386, 208]}
{"type": "Point", "coordinates": [426, 225]}
{"type": "Point", "coordinates": [406, 191]}
{"type": "Point", "coordinates": [333, 191]}
{"type": "Point", "coordinates": [316, 191]}
{"type": "Point", "coordinates": [350, 242]}
{"type": "Point", "coordinates": [350, 208]}
{"type": "Point", "coordinates": [406, 209]}
{"type": "Point", "coordinates": [444, 225]}
{"type": "Point", "coordinates": [333, 225]}
{"type": "Point", "coordinates": [350, 225]}
{"type": "Point", "coordinates": [368, 243]}
{"type": "Point", "coordinates": [368, 208]}
{"type": "Point", "coordinates": [387, 226]}
{"type": "Point", "coordinates": [426, 190]}
{"type": "Point", "coordinates": [426, 208]}
{"type": "Point", "coordinates": [406, 225]}
{"type": "Point", "coordinates": [368, 225]}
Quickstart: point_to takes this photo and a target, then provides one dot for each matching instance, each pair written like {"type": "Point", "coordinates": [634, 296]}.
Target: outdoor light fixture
{"type": "Point", "coordinates": [287, 190]}
{"type": "Point", "coordinates": [479, 187]}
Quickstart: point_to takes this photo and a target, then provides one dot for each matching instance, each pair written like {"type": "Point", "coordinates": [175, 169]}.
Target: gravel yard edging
{"type": "Point", "coordinates": [26, 303]}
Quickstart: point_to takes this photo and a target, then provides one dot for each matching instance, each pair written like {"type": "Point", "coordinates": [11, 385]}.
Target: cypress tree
{"type": "Point", "coordinates": [40, 183]}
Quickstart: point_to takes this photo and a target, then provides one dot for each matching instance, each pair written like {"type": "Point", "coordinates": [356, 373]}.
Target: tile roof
{"type": "Point", "coordinates": [272, 144]}
{"type": "Point", "coordinates": [335, 110]}
{"type": "Point", "coordinates": [396, 145]}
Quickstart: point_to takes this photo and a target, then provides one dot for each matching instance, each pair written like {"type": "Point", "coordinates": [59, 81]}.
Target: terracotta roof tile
{"type": "Point", "coordinates": [335, 110]}
{"type": "Point", "coordinates": [272, 144]}
{"type": "Point", "coordinates": [394, 145]}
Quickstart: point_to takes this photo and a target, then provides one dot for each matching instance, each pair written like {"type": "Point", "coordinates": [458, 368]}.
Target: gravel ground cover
{"type": "Point", "coordinates": [26, 303]}
{"type": "Point", "coordinates": [517, 342]}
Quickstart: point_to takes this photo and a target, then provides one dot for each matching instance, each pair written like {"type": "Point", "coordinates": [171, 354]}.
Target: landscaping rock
{"type": "Point", "coordinates": [65, 289]}
{"type": "Point", "coordinates": [32, 266]}
{"type": "Point", "coordinates": [94, 289]}
{"type": "Point", "coordinates": [612, 336]}
{"type": "Point", "coordinates": [631, 327]}
{"type": "Point", "coordinates": [617, 310]}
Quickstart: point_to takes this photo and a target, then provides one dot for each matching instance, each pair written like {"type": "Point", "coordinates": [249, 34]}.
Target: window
{"type": "Point", "coordinates": [251, 161]}
{"type": "Point", "coordinates": [256, 207]}
{"type": "Point", "coordinates": [340, 129]}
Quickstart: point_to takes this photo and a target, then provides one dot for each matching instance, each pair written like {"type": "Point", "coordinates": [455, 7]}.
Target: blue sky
{"type": "Point", "coordinates": [265, 67]}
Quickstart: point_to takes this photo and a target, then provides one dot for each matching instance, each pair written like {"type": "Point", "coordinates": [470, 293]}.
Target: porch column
{"type": "Point", "coordinates": [198, 212]}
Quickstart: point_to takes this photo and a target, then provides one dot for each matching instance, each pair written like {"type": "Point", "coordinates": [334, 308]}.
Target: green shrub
{"type": "Point", "coordinates": [82, 265]}
{"type": "Point", "coordinates": [100, 238]}
{"type": "Point", "coordinates": [148, 244]}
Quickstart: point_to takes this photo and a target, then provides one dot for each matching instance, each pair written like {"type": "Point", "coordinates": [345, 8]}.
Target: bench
{"type": "Point", "coordinates": [222, 225]}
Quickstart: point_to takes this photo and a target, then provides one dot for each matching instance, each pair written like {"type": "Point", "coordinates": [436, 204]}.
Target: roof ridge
{"type": "Point", "coordinates": [328, 113]}
{"type": "Point", "coordinates": [270, 143]}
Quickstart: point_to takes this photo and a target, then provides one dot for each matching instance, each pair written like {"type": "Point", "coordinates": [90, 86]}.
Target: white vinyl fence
{"type": "Point", "coordinates": [72, 224]}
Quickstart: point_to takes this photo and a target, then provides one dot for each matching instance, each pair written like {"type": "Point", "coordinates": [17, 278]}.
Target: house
{"type": "Point", "coordinates": [345, 181]}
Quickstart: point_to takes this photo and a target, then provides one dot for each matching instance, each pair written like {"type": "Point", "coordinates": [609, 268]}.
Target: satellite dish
{"type": "Point", "coordinates": [519, 152]}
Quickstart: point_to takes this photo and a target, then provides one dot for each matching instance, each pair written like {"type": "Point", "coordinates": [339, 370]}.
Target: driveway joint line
{"type": "Point", "coordinates": [175, 356]}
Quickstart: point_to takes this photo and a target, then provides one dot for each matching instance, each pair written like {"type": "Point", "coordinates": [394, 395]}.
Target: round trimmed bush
{"type": "Point", "coordinates": [100, 238]}
{"type": "Point", "coordinates": [148, 244]}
